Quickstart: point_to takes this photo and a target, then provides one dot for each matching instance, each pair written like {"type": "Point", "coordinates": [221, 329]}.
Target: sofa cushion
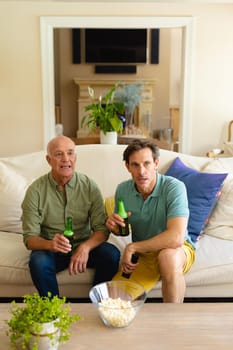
{"type": "Point", "coordinates": [109, 204]}
{"type": "Point", "coordinates": [220, 223]}
{"type": "Point", "coordinates": [12, 189]}
{"type": "Point", "coordinates": [14, 269]}
{"type": "Point", "coordinates": [228, 149]}
{"type": "Point", "coordinates": [203, 190]}
{"type": "Point", "coordinates": [194, 162]}
{"type": "Point", "coordinates": [96, 162]}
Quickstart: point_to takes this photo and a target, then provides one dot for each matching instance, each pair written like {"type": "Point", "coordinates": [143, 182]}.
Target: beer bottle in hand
{"type": "Point", "coordinates": [68, 233]}
{"type": "Point", "coordinates": [123, 231]}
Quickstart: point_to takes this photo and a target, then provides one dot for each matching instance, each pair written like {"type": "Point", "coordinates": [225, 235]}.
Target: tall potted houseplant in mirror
{"type": "Point", "coordinates": [40, 323]}
{"type": "Point", "coordinates": [104, 114]}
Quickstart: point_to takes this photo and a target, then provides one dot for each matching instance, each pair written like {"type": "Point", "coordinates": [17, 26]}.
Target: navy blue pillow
{"type": "Point", "coordinates": [203, 191]}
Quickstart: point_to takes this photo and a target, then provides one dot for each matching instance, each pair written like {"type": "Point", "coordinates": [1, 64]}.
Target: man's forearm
{"type": "Point", "coordinates": [38, 243]}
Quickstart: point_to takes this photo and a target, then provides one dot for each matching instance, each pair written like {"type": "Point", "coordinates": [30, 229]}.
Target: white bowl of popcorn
{"type": "Point", "coordinates": [117, 302]}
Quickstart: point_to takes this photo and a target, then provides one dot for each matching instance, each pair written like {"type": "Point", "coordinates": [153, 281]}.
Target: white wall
{"type": "Point", "coordinates": [21, 109]}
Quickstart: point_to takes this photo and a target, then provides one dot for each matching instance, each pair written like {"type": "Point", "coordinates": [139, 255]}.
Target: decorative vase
{"type": "Point", "coordinates": [47, 338]}
{"type": "Point", "coordinates": [109, 138]}
{"type": "Point", "coordinates": [129, 113]}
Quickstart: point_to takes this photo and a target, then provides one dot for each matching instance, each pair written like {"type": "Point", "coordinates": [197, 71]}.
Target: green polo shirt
{"type": "Point", "coordinates": [149, 217]}
{"type": "Point", "coordinates": [45, 208]}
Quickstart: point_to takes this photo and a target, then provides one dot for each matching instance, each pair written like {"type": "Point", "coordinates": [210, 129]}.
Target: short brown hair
{"type": "Point", "coordinates": [138, 144]}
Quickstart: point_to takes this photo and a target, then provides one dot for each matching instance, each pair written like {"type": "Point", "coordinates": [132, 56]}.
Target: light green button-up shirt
{"type": "Point", "coordinates": [45, 208]}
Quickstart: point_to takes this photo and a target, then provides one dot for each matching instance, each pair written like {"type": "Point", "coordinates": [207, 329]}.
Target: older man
{"type": "Point", "coordinates": [48, 202]}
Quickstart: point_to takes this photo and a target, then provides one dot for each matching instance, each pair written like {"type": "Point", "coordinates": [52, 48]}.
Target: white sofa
{"type": "Point", "coordinates": [210, 276]}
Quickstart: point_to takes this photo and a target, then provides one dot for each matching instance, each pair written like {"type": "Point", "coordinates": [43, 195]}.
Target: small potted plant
{"type": "Point", "coordinates": [104, 114]}
{"type": "Point", "coordinates": [41, 323]}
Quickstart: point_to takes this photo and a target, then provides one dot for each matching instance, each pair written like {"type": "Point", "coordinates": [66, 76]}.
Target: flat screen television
{"type": "Point", "coordinates": [115, 45]}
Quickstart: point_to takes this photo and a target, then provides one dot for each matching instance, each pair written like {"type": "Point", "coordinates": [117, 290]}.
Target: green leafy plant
{"type": "Point", "coordinates": [104, 114]}
{"type": "Point", "coordinates": [35, 311]}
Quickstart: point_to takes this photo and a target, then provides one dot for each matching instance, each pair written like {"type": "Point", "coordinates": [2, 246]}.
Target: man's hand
{"type": "Point", "coordinates": [126, 265]}
{"type": "Point", "coordinates": [113, 222]}
{"type": "Point", "coordinates": [60, 244]}
{"type": "Point", "coordinates": [78, 261]}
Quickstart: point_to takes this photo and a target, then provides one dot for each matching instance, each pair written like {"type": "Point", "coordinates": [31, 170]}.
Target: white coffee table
{"type": "Point", "coordinates": [157, 327]}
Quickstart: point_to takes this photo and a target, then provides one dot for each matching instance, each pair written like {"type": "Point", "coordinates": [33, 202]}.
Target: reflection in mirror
{"type": "Point", "coordinates": [159, 110]}
{"type": "Point", "coordinates": [49, 23]}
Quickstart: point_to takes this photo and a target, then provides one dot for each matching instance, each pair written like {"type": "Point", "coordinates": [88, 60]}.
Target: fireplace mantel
{"type": "Point", "coordinates": [102, 86]}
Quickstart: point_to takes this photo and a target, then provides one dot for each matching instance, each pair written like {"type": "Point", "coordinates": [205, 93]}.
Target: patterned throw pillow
{"type": "Point", "coordinates": [203, 190]}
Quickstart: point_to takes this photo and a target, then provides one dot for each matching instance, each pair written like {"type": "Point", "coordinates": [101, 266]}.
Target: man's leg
{"type": "Point", "coordinates": [171, 262]}
{"type": "Point", "coordinates": [105, 260]}
{"type": "Point", "coordinates": [43, 268]}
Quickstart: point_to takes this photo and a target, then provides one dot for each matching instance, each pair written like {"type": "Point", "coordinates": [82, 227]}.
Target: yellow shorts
{"type": "Point", "coordinates": [147, 273]}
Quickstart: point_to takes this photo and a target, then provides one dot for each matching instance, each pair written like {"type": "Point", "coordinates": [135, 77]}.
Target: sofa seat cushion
{"type": "Point", "coordinates": [214, 261]}
{"type": "Point", "coordinates": [211, 265]}
{"type": "Point", "coordinates": [13, 259]}
{"type": "Point", "coordinates": [210, 276]}
{"type": "Point", "coordinates": [209, 268]}
{"type": "Point", "coordinates": [14, 264]}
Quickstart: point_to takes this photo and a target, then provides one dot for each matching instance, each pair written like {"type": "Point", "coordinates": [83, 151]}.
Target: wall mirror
{"type": "Point", "coordinates": [48, 26]}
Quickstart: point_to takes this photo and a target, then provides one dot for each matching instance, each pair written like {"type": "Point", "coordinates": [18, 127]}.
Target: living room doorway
{"type": "Point", "coordinates": [48, 24]}
{"type": "Point", "coordinates": [161, 80]}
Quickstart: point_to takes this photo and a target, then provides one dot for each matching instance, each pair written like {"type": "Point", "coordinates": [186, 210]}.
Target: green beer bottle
{"type": "Point", "coordinates": [124, 231]}
{"type": "Point", "coordinates": [68, 233]}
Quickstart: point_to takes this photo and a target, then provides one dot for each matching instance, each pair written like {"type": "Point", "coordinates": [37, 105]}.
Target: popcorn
{"type": "Point", "coordinates": [117, 312]}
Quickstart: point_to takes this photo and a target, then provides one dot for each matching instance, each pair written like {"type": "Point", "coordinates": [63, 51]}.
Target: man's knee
{"type": "Point", "coordinates": [110, 252]}
{"type": "Point", "coordinates": [40, 260]}
{"type": "Point", "coordinates": [170, 260]}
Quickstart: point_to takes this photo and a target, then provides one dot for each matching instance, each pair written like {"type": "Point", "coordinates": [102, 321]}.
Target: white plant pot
{"type": "Point", "coordinates": [47, 338]}
{"type": "Point", "coordinates": [109, 138]}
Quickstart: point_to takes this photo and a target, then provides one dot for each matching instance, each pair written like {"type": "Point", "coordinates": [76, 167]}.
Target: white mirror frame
{"type": "Point", "coordinates": [49, 23]}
